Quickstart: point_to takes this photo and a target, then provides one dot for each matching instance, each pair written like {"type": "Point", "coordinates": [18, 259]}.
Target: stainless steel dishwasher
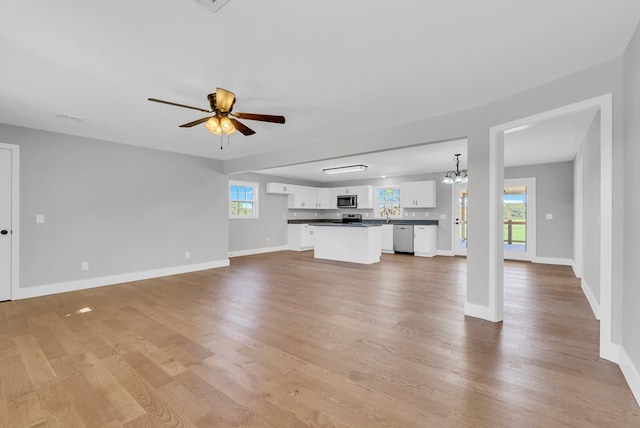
{"type": "Point", "coordinates": [403, 238]}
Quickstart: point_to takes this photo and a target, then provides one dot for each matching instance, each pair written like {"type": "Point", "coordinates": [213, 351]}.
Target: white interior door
{"type": "Point", "coordinates": [5, 224]}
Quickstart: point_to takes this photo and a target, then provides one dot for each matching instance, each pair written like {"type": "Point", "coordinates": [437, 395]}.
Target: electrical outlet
{"type": "Point", "coordinates": [187, 255]}
{"type": "Point", "coordinates": [267, 241]}
{"type": "Point", "coordinates": [426, 214]}
{"type": "Point", "coordinates": [443, 216]}
{"type": "Point", "coordinates": [84, 266]}
{"type": "Point", "coordinates": [413, 214]}
{"type": "Point", "coordinates": [548, 216]}
{"type": "Point", "coordinates": [39, 218]}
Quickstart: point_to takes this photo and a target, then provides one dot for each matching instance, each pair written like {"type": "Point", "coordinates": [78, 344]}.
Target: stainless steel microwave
{"type": "Point", "coordinates": [348, 201]}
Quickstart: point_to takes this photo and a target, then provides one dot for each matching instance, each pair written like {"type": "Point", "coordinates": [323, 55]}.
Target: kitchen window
{"type": "Point", "coordinates": [243, 200]}
{"type": "Point", "coordinates": [387, 202]}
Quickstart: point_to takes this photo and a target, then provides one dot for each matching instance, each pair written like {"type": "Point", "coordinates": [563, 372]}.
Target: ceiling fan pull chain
{"type": "Point", "coordinates": [221, 146]}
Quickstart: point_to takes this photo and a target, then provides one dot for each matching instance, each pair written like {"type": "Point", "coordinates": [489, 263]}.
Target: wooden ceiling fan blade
{"type": "Point", "coordinates": [241, 127]}
{"type": "Point", "coordinates": [224, 99]}
{"type": "Point", "coordinates": [260, 117]}
{"type": "Point", "coordinates": [195, 122]}
{"type": "Point", "coordinates": [178, 105]}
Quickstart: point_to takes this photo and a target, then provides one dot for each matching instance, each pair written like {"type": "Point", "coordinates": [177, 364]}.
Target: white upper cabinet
{"type": "Point", "coordinates": [365, 196]}
{"type": "Point", "coordinates": [418, 194]}
{"type": "Point", "coordinates": [326, 199]}
{"type": "Point", "coordinates": [303, 197]}
{"type": "Point", "coordinates": [311, 198]}
{"type": "Point", "coordinates": [280, 188]}
{"type": "Point", "coordinates": [344, 191]}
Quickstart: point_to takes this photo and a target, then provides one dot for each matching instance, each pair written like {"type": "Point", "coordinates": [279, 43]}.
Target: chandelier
{"type": "Point", "coordinates": [456, 176]}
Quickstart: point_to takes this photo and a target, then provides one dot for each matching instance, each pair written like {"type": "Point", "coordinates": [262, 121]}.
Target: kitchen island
{"type": "Point", "coordinates": [348, 242]}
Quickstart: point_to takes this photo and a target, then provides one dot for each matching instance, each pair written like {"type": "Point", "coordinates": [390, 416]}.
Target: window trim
{"type": "Point", "coordinates": [256, 199]}
{"type": "Point", "coordinates": [376, 190]}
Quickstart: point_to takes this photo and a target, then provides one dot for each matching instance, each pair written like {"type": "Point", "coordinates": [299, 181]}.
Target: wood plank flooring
{"type": "Point", "coordinates": [283, 340]}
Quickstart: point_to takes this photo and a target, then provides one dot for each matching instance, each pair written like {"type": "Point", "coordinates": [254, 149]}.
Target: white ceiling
{"type": "Point", "coordinates": [331, 67]}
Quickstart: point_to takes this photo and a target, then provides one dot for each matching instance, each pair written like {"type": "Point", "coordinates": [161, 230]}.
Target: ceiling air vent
{"type": "Point", "coordinates": [212, 5]}
{"type": "Point", "coordinates": [68, 117]}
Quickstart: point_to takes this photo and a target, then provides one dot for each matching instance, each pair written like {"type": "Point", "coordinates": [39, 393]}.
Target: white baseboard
{"type": "Point", "coordinates": [577, 272]}
{"type": "Point", "coordinates": [424, 254]}
{"type": "Point", "coordinates": [263, 250]}
{"type": "Point", "coordinates": [593, 302]}
{"type": "Point", "coordinates": [478, 311]}
{"type": "Point", "coordinates": [299, 249]}
{"type": "Point", "coordinates": [448, 253]}
{"type": "Point", "coordinates": [83, 284]}
{"type": "Point", "coordinates": [553, 261]}
{"type": "Point", "coordinates": [630, 372]}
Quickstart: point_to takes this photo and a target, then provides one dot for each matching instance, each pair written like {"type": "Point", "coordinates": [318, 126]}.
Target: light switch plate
{"type": "Point", "coordinates": [443, 216]}
{"type": "Point", "coordinates": [39, 218]}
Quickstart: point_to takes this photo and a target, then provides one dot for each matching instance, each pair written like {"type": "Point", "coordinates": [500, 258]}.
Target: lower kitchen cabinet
{"type": "Point", "coordinates": [387, 238]}
{"type": "Point", "coordinates": [300, 237]}
{"type": "Point", "coordinates": [425, 240]}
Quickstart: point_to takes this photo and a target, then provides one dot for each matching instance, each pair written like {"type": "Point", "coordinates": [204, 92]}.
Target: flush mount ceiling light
{"type": "Point", "coordinates": [456, 176]}
{"type": "Point", "coordinates": [344, 169]}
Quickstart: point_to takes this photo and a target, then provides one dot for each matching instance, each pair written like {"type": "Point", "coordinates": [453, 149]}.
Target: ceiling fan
{"type": "Point", "coordinates": [223, 120]}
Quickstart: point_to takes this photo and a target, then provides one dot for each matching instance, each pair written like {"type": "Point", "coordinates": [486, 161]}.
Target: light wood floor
{"type": "Point", "coordinates": [283, 340]}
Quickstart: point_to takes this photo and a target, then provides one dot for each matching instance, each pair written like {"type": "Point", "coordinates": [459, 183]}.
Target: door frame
{"type": "Point", "coordinates": [530, 253]}
{"type": "Point", "coordinates": [15, 216]}
{"type": "Point", "coordinates": [608, 349]}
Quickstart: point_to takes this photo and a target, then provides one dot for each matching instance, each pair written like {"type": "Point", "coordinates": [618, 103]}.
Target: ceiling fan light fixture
{"type": "Point", "coordinates": [213, 126]}
{"type": "Point", "coordinates": [223, 120]}
{"type": "Point", "coordinates": [227, 126]}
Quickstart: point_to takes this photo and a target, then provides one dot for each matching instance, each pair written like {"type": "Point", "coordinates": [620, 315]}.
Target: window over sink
{"type": "Point", "coordinates": [387, 204]}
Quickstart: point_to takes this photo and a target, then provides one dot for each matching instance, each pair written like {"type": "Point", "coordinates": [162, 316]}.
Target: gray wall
{"type": "Point", "coordinates": [121, 208]}
{"type": "Point", "coordinates": [631, 254]}
{"type": "Point", "coordinates": [590, 152]}
{"type": "Point", "coordinates": [554, 195]}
